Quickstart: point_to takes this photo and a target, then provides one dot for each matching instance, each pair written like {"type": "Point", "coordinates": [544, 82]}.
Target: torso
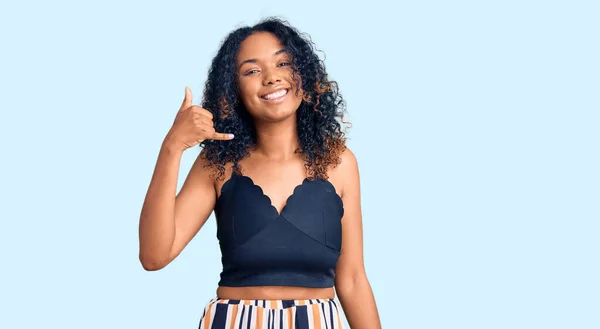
{"type": "Point", "coordinates": [277, 179]}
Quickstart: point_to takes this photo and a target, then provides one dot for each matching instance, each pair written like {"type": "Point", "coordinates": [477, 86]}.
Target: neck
{"type": "Point", "coordinates": [277, 140]}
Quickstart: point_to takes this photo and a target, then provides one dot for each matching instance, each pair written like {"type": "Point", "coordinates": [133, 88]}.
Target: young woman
{"type": "Point", "coordinates": [284, 187]}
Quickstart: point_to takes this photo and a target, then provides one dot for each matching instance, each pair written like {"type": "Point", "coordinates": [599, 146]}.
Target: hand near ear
{"type": "Point", "coordinates": [193, 124]}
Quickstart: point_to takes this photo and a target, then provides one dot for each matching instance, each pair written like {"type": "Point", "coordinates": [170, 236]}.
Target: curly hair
{"type": "Point", "coordinates": [321, 138]}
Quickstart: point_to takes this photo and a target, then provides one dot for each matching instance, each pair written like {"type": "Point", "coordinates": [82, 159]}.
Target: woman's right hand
{"type": "Point", "coordinates": [193, 124]}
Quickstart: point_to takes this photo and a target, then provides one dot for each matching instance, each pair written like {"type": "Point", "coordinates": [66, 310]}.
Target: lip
{"type": "Point", "coordinates": [275, 100]}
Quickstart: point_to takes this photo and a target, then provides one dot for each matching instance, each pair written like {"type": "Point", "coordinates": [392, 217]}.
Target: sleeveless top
{"type": "Point", "coordinates": [260, 247]}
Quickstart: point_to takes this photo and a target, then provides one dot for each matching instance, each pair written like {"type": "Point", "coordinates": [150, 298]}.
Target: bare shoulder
{"type": "Point", "coordinates": [346, 172]}
{"type": "Point", "coordinates": [348, 160]}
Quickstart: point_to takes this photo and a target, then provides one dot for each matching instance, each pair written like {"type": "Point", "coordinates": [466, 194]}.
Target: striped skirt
{"type": "Point", "coordinates": [271, 314]}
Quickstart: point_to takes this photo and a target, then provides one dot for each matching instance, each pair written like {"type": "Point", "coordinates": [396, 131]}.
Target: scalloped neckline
{"type": "Point", "coordinates": [268, 199]}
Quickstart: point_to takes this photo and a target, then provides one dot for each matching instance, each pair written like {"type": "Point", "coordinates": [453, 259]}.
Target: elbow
{"type": "Point", "coordinates": [152, 266]}
{"type": "Point", "coordinates": [347, 284]}
{"type": "Point", "coordinates": [152, 263]}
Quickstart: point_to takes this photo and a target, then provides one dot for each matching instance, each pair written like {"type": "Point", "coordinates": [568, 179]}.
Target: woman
{"type": "Point", "coordinates": [285, 195]}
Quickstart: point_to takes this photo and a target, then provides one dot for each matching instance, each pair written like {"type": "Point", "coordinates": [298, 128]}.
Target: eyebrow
{"type": "Point", "coordinates": [254, 60]}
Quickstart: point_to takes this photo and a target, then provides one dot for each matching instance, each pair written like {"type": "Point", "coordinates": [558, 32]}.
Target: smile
{"type": "Point", "coordinates": [276, 96]}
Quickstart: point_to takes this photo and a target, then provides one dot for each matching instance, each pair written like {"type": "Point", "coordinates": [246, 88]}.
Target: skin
{"type": "Point", "coordinates": [262, 67]}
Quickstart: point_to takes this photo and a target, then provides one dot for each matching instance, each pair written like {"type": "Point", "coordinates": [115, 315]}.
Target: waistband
{"type": "Point", "coordinates": [273, 303]}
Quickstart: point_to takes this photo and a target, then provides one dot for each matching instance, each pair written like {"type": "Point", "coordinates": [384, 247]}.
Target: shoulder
{"type": "Point", "coordinates": [347, 171]}
{"type": "Point", "coordinates": [348, 159]}
{"type": "Point", "coordinates": [348, 164]}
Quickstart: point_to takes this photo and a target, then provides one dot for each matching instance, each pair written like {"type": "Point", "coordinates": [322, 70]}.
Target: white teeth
{"type": "Point", "coordinates": [276, 94]}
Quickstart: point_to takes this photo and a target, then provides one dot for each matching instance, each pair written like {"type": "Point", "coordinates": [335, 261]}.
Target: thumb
{"type": "Point", "coordinates": [187, 100]}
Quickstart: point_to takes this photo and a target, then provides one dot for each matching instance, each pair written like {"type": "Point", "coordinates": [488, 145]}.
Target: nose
{"type": "Point", "coordinates": [270, 77]}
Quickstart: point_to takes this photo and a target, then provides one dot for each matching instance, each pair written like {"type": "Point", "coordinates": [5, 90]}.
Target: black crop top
{"type": "Point", "coordinates": [259, 246]}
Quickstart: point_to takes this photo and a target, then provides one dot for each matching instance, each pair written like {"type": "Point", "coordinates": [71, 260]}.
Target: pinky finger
{"type": "Point", "coordinates": [220, 136]}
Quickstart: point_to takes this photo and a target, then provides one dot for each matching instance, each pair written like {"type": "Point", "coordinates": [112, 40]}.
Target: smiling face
{"type": "Point", "coordinates": [264, 76]}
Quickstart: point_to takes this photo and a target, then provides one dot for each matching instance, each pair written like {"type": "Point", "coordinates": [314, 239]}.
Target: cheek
{"type": "Point", "coordinates": [247, 91]}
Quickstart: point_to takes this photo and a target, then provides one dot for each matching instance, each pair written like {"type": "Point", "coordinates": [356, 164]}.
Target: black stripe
{"type": "Point", "coordinates": [302, 317]}
{"type": "Point", "coordinates": [331, 303]}
{"type": "Point", "coordinates": [273, 319]}
{"type": "Point", "coordinates": [242, 317]}
{"type": "Point", "coordinates": [287, 303]}
{"type": "Point", "coordinates": [269, 321]}
{"type": "Point", "coordinates": [337, 312]}
{"type": "Point", "coordinates": [325, 315]}
{"type": "Point", "coordinates": [220, 316]}
{"type": "Point", "coordinates": [281, 319]}
{"type": "Point", "coordinates": [249, 316]}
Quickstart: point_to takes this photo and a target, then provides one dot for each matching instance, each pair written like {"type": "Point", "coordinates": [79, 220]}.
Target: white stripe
{"type": "Point", "coordinates": [334, 325]}
{"type": "Point", "coordinates": [251, 318]}
{"type": "Point", "coordinates": [265, 323]}
{"type": "Point", "coordinates": [245, 319]}
{"type": "Point", "coordinates": [228, 318]}
{"type": "Point", "coordinates": [338, 315]}
{"type": "Point", "coordinates": [255, 310]}
{"type": "Point", "coordinates": [286, 319]}
{"type": "Point", "coordinates": [267, 319]}
{"type": "Point", "coordinates": [238, 316]}
{"type": "Point", "coordinates": [322, 315]}
{"type": "Point", "coordinates": [212, 314]}
{"type": "Point", "coordinates": [310, 315]}
{"type": "Point", "coordinates": [327, 308]}
{"type": "Point", "coordinates": [293, 319]}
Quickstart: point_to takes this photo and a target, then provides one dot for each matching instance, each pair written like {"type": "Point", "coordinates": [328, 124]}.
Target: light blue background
{"type": "Point", "coordinates": [475, 123]}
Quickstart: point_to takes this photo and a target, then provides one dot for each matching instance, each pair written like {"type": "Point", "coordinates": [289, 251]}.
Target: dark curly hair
{"type": "Point", "coordinates": [321, 138]}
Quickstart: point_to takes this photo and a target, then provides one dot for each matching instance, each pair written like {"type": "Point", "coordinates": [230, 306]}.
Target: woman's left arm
{"type": "Point", "coordinates": [351, 283]}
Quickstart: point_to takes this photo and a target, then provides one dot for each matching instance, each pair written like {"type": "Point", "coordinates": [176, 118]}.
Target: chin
{"type": "Point", "coordinates": [277, 114]}
{"type": "Point", "coordinates": [276, 111]}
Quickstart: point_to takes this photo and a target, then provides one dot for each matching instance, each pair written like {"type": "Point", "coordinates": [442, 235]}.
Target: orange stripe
{"type": "Point", "coordinates": [339, 318]}
{"type": "Point", "coordinates": [290, 318]}
{"type": "Point", "coordinates": [273, 304]}
{"type": "Point", "coordinates": [233, 315]}
{"type": "Point", "coordinates": [316, 316]}
{"type": "Point", "coordinates": [259, 317]}
{"type": "Point", "coordinates": [207, 316]}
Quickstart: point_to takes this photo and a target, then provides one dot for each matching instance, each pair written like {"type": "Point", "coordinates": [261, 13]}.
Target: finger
{"type": "Point", "coordinates": [201, 112]}
{"type": "Point", "coordinates": [206, 123]}
{"type": "Point", "coordinates": [187, 100]}
{"type": "Point", "coordinates": [221, 136]}
{"type": "Point", "coordinates": [206, 113]}
{"type": "Point", "coordinates": [208, 127]}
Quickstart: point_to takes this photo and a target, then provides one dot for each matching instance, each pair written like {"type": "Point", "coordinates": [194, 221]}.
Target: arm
{"type": "Point", "coordinates": [168, 222]}
{"type": "Point", "coordinates": [351, 283]}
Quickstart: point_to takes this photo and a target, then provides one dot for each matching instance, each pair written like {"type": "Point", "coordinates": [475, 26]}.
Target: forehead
{"type": "Point", "coordinates": [259, 45]}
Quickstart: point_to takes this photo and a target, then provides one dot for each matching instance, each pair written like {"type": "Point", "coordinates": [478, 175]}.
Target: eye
{"type": "Point", "coordinates": [250, 72]}
{"type": "Point", "coordinates": [285, 64]}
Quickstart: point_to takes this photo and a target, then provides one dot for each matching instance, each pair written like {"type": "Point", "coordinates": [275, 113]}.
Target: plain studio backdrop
{"type": "Point", "coordinates": [475, 124]}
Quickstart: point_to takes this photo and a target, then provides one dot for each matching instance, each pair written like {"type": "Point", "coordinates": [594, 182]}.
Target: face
{"type": "Point", "coordinates": [264, 76]}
